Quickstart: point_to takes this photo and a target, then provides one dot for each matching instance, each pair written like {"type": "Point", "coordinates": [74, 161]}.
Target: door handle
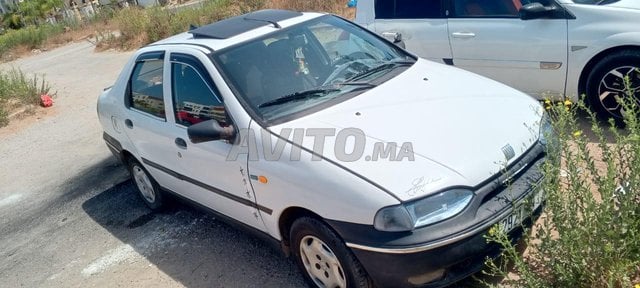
{"type": "Point", "coordinates": [463, 35]}
{"type": "Point", "coordinates": [181, 143]}
{"type": "Point", "coordinates": [128, 123]}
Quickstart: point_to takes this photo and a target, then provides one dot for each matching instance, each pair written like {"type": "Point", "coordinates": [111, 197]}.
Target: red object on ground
{"type": "Point", "coordinates": [46, 100]}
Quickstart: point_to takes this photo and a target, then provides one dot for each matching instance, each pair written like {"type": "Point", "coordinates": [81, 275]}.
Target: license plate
{"type": "Point", "coordinates": [522, 210]}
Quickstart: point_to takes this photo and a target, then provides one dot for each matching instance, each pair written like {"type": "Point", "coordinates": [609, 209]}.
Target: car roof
{"type": "Point", "coordinates": [231, 31]}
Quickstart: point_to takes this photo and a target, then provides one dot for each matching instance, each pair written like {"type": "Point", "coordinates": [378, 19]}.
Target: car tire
{"type": "Point", "coordinates": [147, 187]}
{"type": "Point", "coordinates": [605, 82]}
{"type": "Point", "coordinates": [323, 258]}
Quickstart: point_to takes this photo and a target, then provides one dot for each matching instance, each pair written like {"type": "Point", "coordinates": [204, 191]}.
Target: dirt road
{"type": "Point", "coordinates": [70, 218]}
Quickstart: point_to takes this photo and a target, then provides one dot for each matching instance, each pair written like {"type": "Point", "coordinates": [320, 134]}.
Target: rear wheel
{"type": "Point", "coordinates": [148, 188]}
{"type": "Point", "coordinates": [606, 83]}
{"type": "Point", "coordinates": [323, 258]}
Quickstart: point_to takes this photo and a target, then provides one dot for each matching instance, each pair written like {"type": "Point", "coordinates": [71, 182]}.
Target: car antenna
{"type": "Point", "coordinates": [274, 23]}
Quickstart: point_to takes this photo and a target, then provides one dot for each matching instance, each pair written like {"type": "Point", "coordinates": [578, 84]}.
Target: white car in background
{"type": "Point", "coordinates": [546, 48]}
{"type": "Point", "coordinates": [265, 119]}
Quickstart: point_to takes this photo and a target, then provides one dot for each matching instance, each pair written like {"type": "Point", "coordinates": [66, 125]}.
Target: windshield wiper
{"type": "Point", "coordinates": [381, 67]}
{"type": "Point", "coordinates": [362, 84]}
{"type": "Point", "coordinates": [300, 95]}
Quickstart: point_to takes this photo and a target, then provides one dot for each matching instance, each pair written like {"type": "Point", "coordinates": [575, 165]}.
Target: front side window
{"type": "Point", "coordinates": [408, 9]}
{"type": "Point", "coordinates": [194, 99]}
{"type": "Point", "coordinates": [298, 69]}
{"type": "Point", "coordinates": [145, 87]}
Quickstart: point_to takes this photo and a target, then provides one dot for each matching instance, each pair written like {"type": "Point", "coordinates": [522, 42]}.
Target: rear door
{"type": "Point", "coordinates": [421, 23]}
{"type": "Point", "coordinates": [145, 118]}
{"type": "Point", "coordinates": [489, 38]}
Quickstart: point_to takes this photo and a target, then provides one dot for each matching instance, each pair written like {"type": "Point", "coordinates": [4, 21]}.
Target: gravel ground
{"type": "Point", "coordinates": [69, 216]}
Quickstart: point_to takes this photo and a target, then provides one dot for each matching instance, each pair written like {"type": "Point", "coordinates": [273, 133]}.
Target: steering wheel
{"type": "Point", "coordinates": [344, 71]}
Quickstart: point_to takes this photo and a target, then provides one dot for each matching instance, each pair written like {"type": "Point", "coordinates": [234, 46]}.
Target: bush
{"type": "Point", "coordinates": [142, 26]}
{"type": "Point", "coordinates": [18, 90]}
{"type": "Point", "coordinates": [338, 7]}
{"type": "Point", "coordinates": [139, 27]}
{"type": "Point", "coordinates": [589, 235]}
{"type": "Point", "coordinates": [32, 37]}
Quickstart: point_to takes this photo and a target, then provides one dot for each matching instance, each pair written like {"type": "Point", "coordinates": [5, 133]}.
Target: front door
{"type": "Point", "coordinates": [209, 178]}
{"type": "Point", "coordinates": [489, 38]}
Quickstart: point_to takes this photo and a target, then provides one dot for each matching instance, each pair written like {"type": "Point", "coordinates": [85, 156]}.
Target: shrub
{"type": "Point", "coordinates": [142, 26]}
{"type": "Point", "coordinates": [19, 90]}
{"type": "Point", "coordinates": [589, 235]}
{"type": "Point", "coordinates": [338, 7]}
{"type": "Point", "coordinates": [32, 37]}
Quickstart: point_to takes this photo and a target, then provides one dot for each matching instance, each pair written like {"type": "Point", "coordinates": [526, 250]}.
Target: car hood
{"type": "Point", "coordinates": [631, 4]}
{"type": "Point", "coordinates": [456, 122]}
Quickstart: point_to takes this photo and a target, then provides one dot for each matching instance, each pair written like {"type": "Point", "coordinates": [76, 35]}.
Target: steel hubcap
{"type": "Point", "coordinates": [321, 263]}
{"type": "Point", "coordinates": [613, 86]}
{"type": "Point", "coordinates": [144, 184]}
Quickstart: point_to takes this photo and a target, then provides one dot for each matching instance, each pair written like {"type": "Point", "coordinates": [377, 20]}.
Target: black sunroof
{"type": "Point", "coordinates": [237, 25]}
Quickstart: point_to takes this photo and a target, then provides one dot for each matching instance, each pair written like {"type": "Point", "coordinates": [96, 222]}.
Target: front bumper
{"type": "Point", "coordinates": [437, 267]}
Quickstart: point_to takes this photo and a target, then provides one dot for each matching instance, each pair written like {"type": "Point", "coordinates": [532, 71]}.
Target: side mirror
{"type": "Point", "coordinates": [209, 130]}
{"type": "Point", "coordinates": [395, 37]}
{"type": "Point", "coordinates": [535, 10]}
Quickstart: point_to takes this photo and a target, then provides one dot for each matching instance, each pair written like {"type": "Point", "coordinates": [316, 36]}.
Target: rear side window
{"type": "Point", "coordinates": [408, 9]}
{"type": "Point", "coordinates": [145, 87]}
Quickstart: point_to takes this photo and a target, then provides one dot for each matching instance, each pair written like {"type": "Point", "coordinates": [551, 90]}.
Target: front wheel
{"type": "Point", "coordinates": [323, 258]}
{"type": "Point", "coordinates": [607, 83]}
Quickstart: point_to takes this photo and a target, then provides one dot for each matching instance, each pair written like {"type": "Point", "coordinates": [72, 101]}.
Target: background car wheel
{"type": "Point", "coordinates": [148, 188]}
{"type": "Point", "coordinates": [606, 83]}
{"type": "Point", "coordinates": [323, 258]}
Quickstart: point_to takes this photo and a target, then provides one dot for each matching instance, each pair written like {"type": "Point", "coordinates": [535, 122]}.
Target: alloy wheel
{"type": "Point", "coordinates": [613, 86]}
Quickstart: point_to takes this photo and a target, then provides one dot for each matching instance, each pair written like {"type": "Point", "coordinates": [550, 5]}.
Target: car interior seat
{"type": "Point", "coordinates": [280, 76]}
{"type": "Point", "coordinates": [246, 67]}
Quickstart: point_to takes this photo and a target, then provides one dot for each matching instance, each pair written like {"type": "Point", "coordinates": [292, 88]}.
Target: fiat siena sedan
{"type": "Point", "coordinates": [364, 163]}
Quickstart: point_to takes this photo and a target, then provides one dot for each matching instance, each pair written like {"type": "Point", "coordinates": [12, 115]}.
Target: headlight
{"type": "Point", "coordinates": [422, 212]}
{"type": "Point", "coordinates": [547, 135]}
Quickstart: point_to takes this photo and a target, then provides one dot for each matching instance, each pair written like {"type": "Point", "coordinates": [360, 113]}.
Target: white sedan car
{"type": "Point", "coordinates": [366, 164]}
{"type": "Point", "coordinates": [546, 48]}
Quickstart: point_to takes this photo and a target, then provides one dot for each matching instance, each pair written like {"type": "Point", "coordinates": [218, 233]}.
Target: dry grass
{"type": "Point", "coordinates": [338, 7]}
{"type": "Point", "coordinates": [78, 33]}
{"type": "Point", "coordinates": [138, 27]}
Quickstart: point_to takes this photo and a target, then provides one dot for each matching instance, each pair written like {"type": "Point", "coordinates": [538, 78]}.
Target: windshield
{"type": "Point", "coordinates": [299, 68]}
